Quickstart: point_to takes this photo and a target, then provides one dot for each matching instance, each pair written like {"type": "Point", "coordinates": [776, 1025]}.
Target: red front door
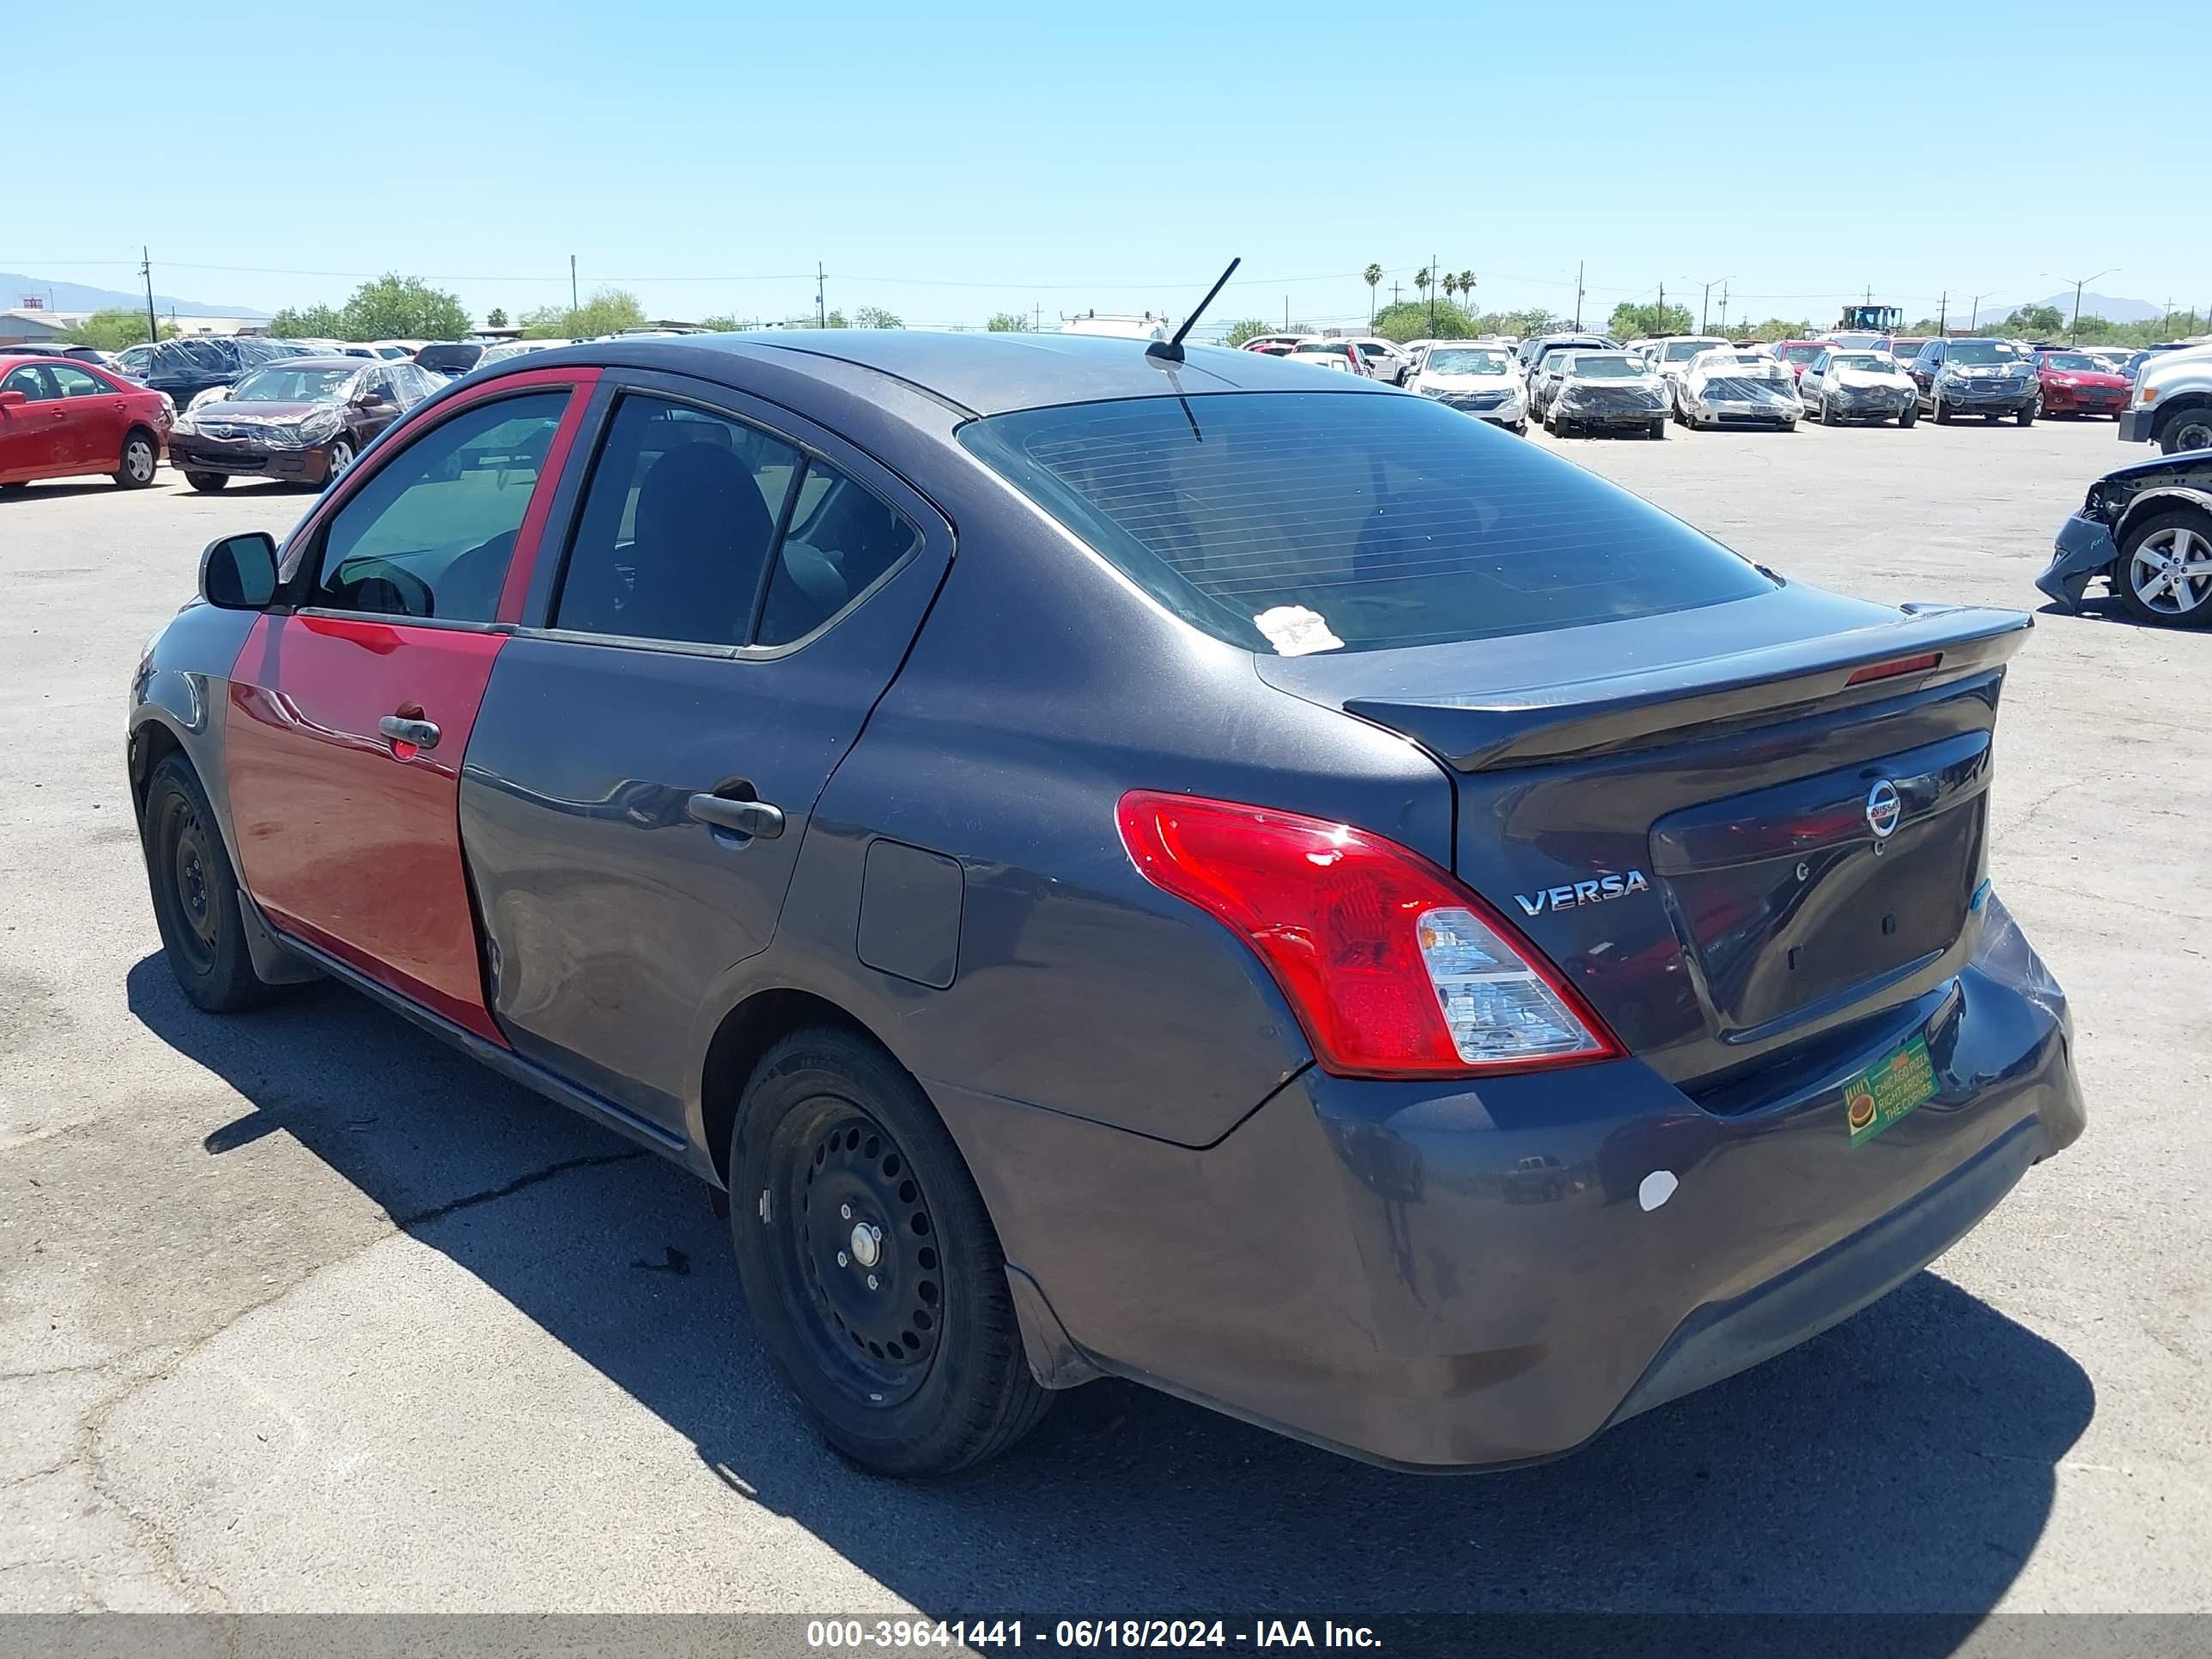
{"type": "Point", "coordinates": [348, 718]}
{"type": "Point", "coordinates": [32, 440]}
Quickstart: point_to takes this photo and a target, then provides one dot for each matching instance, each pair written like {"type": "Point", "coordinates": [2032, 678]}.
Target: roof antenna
{"type": "Point", "coordinates": [1170, 351]}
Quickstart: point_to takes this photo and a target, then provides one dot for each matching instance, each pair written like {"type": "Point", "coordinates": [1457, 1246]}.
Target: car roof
{"type": "Point", "coordinates": [330, 360]}
{"type": "Point", "coordinates": [976, 373]}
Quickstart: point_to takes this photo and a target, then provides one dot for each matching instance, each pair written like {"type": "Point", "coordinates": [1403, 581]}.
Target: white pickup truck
{"type": "Point", "coordinates": [2171, 403]}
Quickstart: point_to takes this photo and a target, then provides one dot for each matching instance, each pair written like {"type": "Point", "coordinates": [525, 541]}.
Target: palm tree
{"type": "Point", "coordinates": [1451, 283]}
{"type": "Point", "coordinates": [1465, 286]}
{"type": "Point", "coordinates": [1373, 274]}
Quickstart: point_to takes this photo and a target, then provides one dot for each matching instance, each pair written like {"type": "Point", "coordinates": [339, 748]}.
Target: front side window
{"type": "Point", "coordinates": [1288, 522]}
{"type": "Point", "coordinates": [677, 525]}
{"type": "Point", "coordinates": [429, 534]}
{"type": "Point", "coordinates": [31, 380]}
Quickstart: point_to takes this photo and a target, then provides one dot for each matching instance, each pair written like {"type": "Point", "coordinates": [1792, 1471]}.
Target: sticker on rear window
{"type": "Point", "coordinates": [1295, 631]}
{"type": "Point", "coordinates": [1883, 1093]}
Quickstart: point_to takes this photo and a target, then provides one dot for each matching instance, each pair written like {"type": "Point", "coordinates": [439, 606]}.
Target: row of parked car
{"type": "Point", "coordinates": [243, 406]}
{"type": "Point", "coordinates": [1592, 382]}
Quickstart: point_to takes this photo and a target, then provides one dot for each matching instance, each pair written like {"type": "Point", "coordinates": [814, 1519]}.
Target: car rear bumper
{"type": "Point", "coordinates": [1456, 1276]}
{"type": "Point", "coordinates": [2083, 550]}
{"type": "Point", "coordinates": [2137, 427]}
{"type": "Point", "coordinates": [236, 458]}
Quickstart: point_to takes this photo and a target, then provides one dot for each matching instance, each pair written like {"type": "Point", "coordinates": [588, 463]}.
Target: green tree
{"type": "Point", "coordinates": [1422, 278]}
{"type": "Point", "coordinates": [1009, 322]}
{"type": "Point", "coordinates": [1776, 328]}
{"type": "Point", "coordinates": [834, 319]}
{"type": "Point", "coordinates": [2037, 322]}
{"type": "Point", "coordinates": [875, 317]}
{"type": "Point", "coordinates": [1465, 285]}
{"type": "Point", "coordinates": [393, 308]}
{"type": "Point", "coordinates": [112, 331]}
{"type": "Point", "coordinates": [495, 318]}
{"type": "Point", "coordinates": [1411, 319]}
{"type": "Point", "coordinates": [1373, 277]}
{"type": "Point", "coordinates": [1631, 321]}
{"type": "Point", "coordinates": [309, 323]}
{"type": "Point", "coordinates": [609, 311]}
{"type": "Point", "coordinates": [723, 322]}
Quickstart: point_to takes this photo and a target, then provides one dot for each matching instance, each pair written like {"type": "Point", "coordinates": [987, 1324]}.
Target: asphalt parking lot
{"type": "Point", "coordinates": [299, 1311]}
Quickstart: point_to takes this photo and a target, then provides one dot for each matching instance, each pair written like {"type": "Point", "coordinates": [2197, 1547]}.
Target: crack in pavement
{"type": "Point", "coordinates": [166, 1360]}
{"type": "Point", "coordinates": [519, 1184]}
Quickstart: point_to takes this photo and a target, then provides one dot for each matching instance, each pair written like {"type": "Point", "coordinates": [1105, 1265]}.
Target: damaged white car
{"type": "Point", "coordinates": [1737, 386]}
{"type": "Point", "coordinates": [1858, 385]}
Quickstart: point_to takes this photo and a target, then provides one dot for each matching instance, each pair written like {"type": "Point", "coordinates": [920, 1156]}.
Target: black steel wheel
{"type": "Point", "coordinates": [869, 1262]}
{"type": "Point", "coordinates": [196, 894]}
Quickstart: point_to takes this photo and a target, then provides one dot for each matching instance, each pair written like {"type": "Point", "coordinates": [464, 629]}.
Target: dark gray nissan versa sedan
{"type": "Point", "coordinates": [1192, 869]}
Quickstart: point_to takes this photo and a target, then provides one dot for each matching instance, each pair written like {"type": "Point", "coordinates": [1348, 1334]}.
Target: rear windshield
{"type": "Point", "coordinates": [449, 356]}
{"type": "Point", "coordinates": [1292, 522]}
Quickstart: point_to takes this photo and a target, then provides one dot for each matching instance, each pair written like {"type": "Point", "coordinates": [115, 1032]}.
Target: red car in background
{"type": "Point", "coordinates": [60, 418]}
{"type": "Point", "coordinates": [2074, 383]}
{"type": "Point", "coordinates": [1798, 353]}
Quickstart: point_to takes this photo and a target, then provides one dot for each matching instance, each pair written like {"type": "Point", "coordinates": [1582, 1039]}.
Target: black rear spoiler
{"type": "Point", "coordinates": [1753, 688]}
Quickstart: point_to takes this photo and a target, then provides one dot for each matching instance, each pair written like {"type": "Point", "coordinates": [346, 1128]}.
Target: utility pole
{"type": "Point", "coordinates": [1036, 318]}
{"type": "Point", "coordinates": [1724, 305]}
{"type": "Point", "coordinates": [1943, 314]}
{"type": "Point", "coordinates": [1435, 276]}
{"type": "Point", "coordinates": [575, 304]}
{"type": "Point", "coordinates": [1662, 307]}
{"type": "Point", "coordinates": [2075, 332]}
{"type": "Point", "coordinates": [1393, 294]}
{"type": "Point", "coordinates": [821, 309]}
{"type": "Point", "coordinates": [1578, 296]}
{"type": "Point", "coordinates": [1287, 314]}
{"type": "Point", "coordinates": [146, 269]}
{"type": "Point", "coordinates": [1975, 320]}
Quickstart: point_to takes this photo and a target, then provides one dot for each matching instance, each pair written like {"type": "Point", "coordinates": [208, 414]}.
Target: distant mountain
{"type": "Point", "coordinates": [2104, 306]}
{"type": "Point", "coordinates": [14, 288]}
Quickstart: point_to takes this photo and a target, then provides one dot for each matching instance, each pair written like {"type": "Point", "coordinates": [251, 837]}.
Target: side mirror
{"type": "Point", "coordinates": [239, 573]}
{"type": "Point", "coordinates": [14, 399]}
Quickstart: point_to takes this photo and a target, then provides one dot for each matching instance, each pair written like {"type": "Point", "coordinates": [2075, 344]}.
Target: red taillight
{"type": "Point", "coordinates": [1392, 968]}
{"type": "Point", "coordinates": [1890, 670]}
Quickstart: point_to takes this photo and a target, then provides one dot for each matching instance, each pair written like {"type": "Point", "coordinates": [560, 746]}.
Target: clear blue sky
{"type": "Point", "coordinates": [949, 160]}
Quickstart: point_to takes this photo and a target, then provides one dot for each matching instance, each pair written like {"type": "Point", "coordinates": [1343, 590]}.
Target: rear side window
{"type": "Point", "coordinates": [677, 525]}
{"type": "Point", "coordinates": [842, 539]}
{"type": "Point", "coordinates": [1293, 522]}
{"type": "Point", "coordinates": [429, 534]}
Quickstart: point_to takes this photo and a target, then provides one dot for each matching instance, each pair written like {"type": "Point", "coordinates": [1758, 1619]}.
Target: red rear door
{"type": "Point", "coordinates": [349, 716]}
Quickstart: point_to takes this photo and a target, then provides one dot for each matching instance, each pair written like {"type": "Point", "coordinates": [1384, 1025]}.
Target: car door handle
{"type": "Point", "coordinates": [745, 818]}
{"type": "Point", "coordinates": [422, 734]}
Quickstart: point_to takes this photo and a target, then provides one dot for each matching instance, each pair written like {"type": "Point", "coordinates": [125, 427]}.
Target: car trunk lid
{"type": "Point", "coordinates": [1733, 828]}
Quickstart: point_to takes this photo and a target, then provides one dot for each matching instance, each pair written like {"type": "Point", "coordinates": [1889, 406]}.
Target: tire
{"type": "Point", "coordinates": [1943, 411]}
{"type": "Point", "coordinates": [1819, 410]}
{"type": "Point", "coordinates": [2190, 429]}
{"type": "Point", "coordinates": [1657, 428]}
{"type": "Point", "coordinates": [207, 484]}
{"type": "Point", "coordinates": [1910, 414]}
{"type": "Point", "coordinates": [2027, 416]}
{"type": "Point", "coordinates": [195, 895]}
{"type": "Point", "coordinates": [2185, 533]}
{"type": "Point", "coordinates": [927, 1374]}
{"type": "Point", "coordinates": [142, 453]}
{"type": "Point", "coordinates": [340, 457]}
{"type": "Point", "coordinates": [16, 489]}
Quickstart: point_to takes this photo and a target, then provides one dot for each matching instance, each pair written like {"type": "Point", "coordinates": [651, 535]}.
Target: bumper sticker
{"type": "Point", "coordinates": [1883, 1093]}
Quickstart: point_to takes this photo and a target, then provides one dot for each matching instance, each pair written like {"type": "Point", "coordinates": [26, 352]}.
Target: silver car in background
{"type": "Point", "coordinates": [1737, 386]}
{"type": "Point", "coordinates": [1858, 385]}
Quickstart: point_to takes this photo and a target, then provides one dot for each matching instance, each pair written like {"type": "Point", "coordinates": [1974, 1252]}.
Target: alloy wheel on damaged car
{"type": "Point", "coordinates": [2168, 571]}
{"type": "Point", "coordinates": [341, 456]}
